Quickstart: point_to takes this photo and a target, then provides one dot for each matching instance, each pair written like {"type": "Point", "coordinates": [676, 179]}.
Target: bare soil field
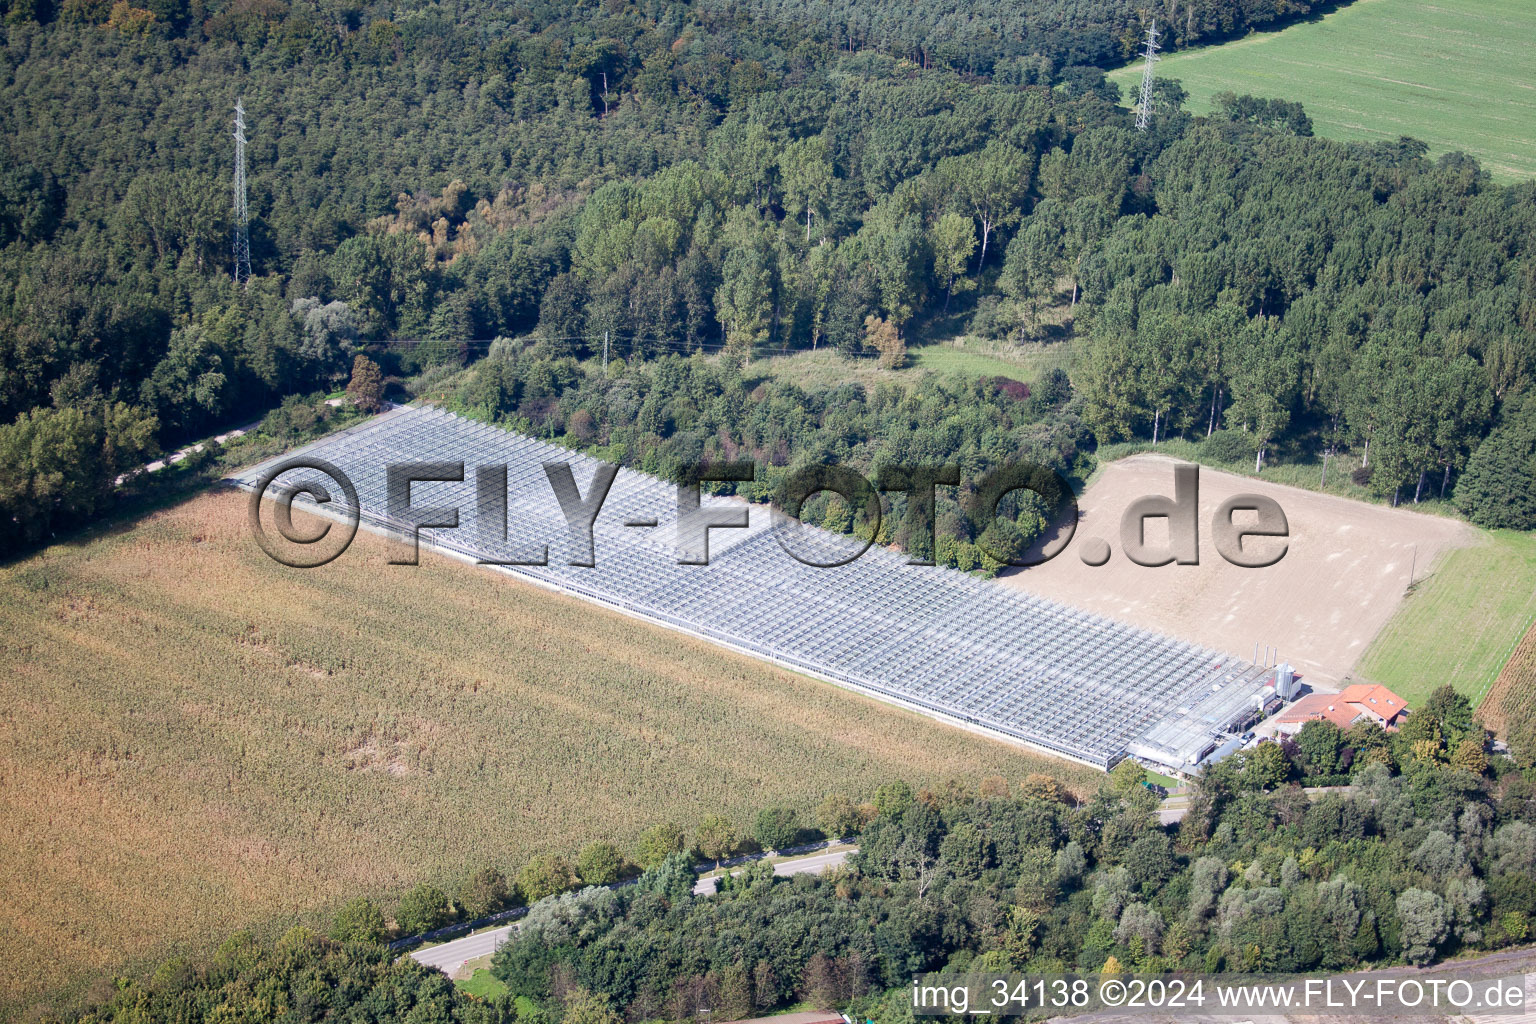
{"type": "Point", "coordinates": [1344, 574]}
{"type": "Point", "coordinates": [195, 739]}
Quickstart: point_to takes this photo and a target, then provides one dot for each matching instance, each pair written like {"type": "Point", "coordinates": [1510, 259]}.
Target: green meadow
{"type": "Point", "coordinates": [1456, 75]}
{"type": "Point", "coordinates": [966, 356]}
{"type": "Point", "coordinates": [1460, 624]}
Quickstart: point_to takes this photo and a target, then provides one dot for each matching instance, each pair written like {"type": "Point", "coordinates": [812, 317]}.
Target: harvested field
{"type": "Point", "coordinates": [195, 739]}
{"type": "Point", "coordinates": [1344, 574]}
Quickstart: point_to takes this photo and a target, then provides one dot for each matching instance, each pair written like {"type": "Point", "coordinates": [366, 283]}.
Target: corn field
{"type": "Point", "coordinates": [1512, 698]}
{"type": "Point", "coordinates": [195, 739]}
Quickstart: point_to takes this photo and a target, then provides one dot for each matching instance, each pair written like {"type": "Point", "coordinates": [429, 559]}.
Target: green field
{"type": "Point", "coordinates": [1456, 75]}
{"type": "Point", "coordinates": [975, 358]}
{"type": "Point", "coordinates": [969, 357]}
{"type": "Point", "coordinates": [1461, 623]}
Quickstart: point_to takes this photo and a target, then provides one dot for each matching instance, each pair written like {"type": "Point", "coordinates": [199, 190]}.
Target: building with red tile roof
{"type": "Point", "coordinates": [1368, 701]}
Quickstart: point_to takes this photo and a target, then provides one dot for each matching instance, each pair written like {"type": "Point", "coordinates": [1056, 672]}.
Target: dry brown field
{"type": "Point", "coordinates": [195, 739]}
{"type": "Point", "coordinates": [1345, 571]}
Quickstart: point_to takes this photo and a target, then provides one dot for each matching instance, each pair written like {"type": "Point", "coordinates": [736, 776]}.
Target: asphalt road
{"type": "Point", "coordinates": [450, 956]}
{"type": "Point", "coordinates": [1173, 809]}
{"type": "Point", "coordinates": [814, 864]}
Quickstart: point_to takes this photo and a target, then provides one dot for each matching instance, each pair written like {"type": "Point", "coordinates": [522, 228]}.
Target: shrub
{"type": "Point", "coordinates": [359, 921]}
{"type": "Point", "coordinates": [423, 909]}
{"type": "Point", "coordinates": [367, 386]}
{"type": "Point", "coordinates": [776, 828]}
{"type": "Point", "coordinates": [1425, 924]}
{"type": "Point", "coordinates": [892, 799]}
{"type": "Point", "coordinates": [484, 893]}
{"type": "Point", "coordinates": [839, 816]}
{"type": "Point", "coordinates": [545, 876]}
{"type": "Point", "coordinates": [657, 843]}
{"type": "Point", "coordinates": [600, 864]}
{"type": "Point", "coordinates": [1229, 446]}
{"type": "Point", "coordinates": [1039, 786]}
{"type": "Point", "coordinates": [1053, 387]}
{"type": "Point", "coordinates": [582, 426]}
{"type": "Point", "coordinates": [717, 838]}
{"type": "Point", "coordinates": [583, 1007]}
{"type": "Point", "coordinates": [884, 338]}
{"type": "Point", "coordinates": [1014, 389]}
{"type": "Point", "coordinates": [993, 318]}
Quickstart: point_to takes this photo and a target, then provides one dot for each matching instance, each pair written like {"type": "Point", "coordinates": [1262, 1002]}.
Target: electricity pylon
{"type": "Point", "coordinates": [242, 214]}
{"type": "Point", "coordinates": [1144, 108]}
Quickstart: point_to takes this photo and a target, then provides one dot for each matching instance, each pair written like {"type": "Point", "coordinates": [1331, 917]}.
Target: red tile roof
{"type": "Point", "coordinates": [1380, 704]}
{"type": "Point", "coordinates": [1319, 705]}
{"type": "Point", "coordinates": [1375, 700]}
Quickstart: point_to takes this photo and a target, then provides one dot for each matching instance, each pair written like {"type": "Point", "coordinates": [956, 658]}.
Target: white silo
{"type": "Point", "coordinates": [1285, 681]}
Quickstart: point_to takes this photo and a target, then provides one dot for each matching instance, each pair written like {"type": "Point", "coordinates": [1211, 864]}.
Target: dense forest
{"type": "Point", "coordinates": [697, 179]}
{"type": "Point", "coordinates": [1428, 852]}
{"type": "Point", "coordinates": [1023, 43]}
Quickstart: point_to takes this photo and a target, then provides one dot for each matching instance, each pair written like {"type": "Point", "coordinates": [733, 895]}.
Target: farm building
{"type": "Point", "coordinates": [1357, 702]}
{"type": "Point", "coordinates": [1204, 728]}
{"type": "Point", "coordinates": [937, 641]}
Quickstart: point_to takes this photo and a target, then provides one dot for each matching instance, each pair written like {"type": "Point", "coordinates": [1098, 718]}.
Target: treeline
{"type": "Point", "coordinates": [1429, 852]}
{"type": "Point", "coordinates": [301, 976]}
{"type": "Point", "coordinates": [1025, 44]}
{"type": "Point", "coordinates": [1021, 43]}
{"type": "Point", "coordinates": [428, 907]}
{"type": "Point", "coordinates": [1339, 303]}
{"type": "Point", "coordinates": [407, 180]}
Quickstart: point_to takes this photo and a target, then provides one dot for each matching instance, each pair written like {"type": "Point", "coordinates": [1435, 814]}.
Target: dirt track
{"type": "Point", "coordinates": [1343, 574]}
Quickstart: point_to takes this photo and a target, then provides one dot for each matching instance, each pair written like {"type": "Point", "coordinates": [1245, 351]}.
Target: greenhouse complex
{"type": "Point", "coordinates": [930, 639]}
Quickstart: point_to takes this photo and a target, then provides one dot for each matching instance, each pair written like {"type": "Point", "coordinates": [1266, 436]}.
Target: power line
{"type": "Point", "coordinates": [671, 345]}
{"type": "Point", "coordinates": [1144, 109]}
{"type": "Point", "coordinates": [242, 213]}
{"type": "Point", "coordinates": [643, 339]}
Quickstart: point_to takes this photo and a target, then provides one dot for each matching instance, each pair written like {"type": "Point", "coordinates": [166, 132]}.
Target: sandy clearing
{"type": "Point", "coordinates": [1343, 575]}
